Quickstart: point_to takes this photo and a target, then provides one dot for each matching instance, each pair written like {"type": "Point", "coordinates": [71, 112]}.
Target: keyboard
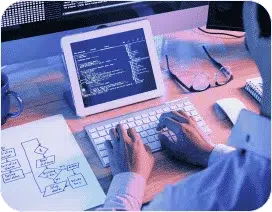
{"type": "Point", "coordinates": [145, 123]}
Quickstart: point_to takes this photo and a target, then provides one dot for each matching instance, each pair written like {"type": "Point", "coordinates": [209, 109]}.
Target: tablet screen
{"type": "Point", "coordinates": [113, 67]}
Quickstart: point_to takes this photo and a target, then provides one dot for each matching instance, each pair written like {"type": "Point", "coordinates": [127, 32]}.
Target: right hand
{"type": "Point", "coordinates": [191, 146]}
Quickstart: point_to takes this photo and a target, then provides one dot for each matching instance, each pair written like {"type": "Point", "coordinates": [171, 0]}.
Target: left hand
{"type": "Point", "coordinates": [127, 152]}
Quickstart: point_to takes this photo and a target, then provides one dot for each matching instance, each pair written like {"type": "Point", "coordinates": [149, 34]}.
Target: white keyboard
{"type": "Point", "coordinates": [145, 123]}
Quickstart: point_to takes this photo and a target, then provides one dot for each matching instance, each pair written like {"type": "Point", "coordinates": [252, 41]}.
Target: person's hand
{"type": "Point", "coordinates": [127, 152]}
{"type": "Point", "coordinates": [191, 146]}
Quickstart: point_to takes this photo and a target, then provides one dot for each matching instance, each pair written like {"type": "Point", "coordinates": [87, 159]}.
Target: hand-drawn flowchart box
{"type": "Point", "coordinates": [72, 166]}
{"type": "Point", "coordinates": [77, 181]}
{"type": "Point", "coordinates": [45, 161]}
{"type": "Point", "coordinates": [54, 188]}
{"type": "Point", "coordinates": [12, 176]}
{"type": "Point", "coordinates": [7, 153]}
{"type": "Point", "coordinates": [10, 165]}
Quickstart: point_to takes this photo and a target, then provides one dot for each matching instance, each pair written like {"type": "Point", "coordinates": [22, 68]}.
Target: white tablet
{"type": "Point", "coordinates": [112, 67]}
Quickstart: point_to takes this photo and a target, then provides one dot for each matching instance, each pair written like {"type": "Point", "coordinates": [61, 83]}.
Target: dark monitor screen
{"type": "Point", "coordinates": [32, 18]}
{"type": "Point", "coordinates": [113, 67]}
{"type": "Point", "coordinates": [225, 15]}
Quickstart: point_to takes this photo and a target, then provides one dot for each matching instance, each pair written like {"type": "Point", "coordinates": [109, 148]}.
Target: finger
{"type": "Point", "coordinates": [148, 149]}
{"type": "Point", "coordinates": [122, 132]}
{"type": "Point", "coordinates": [166, 143]}
{"type": "Point", "coordinates": [114, 137]}
{"type": "Point", "coordinates": [173, 115]}
{"type": "Point", "coordinates": [109, 147]}
{"type": "Point", "coordinates": [184, 114]}
{"type": "Point", "coordinates": [172, 125]}
{"type": "Point", "coordinates": [134, 135]}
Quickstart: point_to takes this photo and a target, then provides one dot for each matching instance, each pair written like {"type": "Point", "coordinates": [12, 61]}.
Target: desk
{"type": "Point", "coordinates": [41, 85]}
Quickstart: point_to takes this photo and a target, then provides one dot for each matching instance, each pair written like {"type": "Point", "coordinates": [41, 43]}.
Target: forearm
{"type": "Point", "coordinates": [126, 192]}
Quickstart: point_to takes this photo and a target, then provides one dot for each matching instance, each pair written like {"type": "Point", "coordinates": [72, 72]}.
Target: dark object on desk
{"type": "Point", "coordinates": [225, 15]}
{"type": "Point", "coordinates": [221, 33]}
{"type": "Point", "coordinates": [5, 100]}
{"type": "Point", "coordinates": [201, 81]}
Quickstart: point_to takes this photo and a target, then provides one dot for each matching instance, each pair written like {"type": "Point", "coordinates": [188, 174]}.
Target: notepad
{"type": "Point", "coordinates": [254, 86]}
{"type": "Point", "coordinates": [44, 169]}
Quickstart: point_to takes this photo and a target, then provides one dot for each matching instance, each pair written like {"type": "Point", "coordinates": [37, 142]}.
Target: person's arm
{"type": "Point", "coordinates": [126, 192]}
{"type": "Point", "coordinates": [131, 163]}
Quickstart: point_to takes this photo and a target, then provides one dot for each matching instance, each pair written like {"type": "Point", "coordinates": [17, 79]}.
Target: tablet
{"type": "Point", "coordinates": [112, 67]}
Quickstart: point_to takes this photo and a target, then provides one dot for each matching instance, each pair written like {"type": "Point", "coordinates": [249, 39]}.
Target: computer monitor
{"type": "Point", "coordinates": [32, 30]}
{"type": "Point", "coordinates": [225, 15]}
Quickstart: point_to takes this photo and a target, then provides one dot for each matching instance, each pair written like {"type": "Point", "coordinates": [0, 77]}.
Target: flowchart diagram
{"type": "Point", "coordinates": [49, 178]}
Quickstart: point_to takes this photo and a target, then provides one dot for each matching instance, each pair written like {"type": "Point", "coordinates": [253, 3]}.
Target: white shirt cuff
{"type": "Point", "coordinates": [126, 192]}
{"type": "Point", "coordinates": [219, 151]}
{"type": "Point", "coordinates": [252, 132]}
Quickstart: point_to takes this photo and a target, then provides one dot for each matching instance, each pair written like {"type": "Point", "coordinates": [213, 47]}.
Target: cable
{"type": "Point", "coordinates": [220, 33]}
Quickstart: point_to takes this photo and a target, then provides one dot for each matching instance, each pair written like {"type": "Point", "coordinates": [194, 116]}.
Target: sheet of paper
{"type": "Point", "coordinates": [43, 168]}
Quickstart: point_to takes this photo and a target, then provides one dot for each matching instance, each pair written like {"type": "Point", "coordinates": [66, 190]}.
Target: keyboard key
{"type": "Point", "coordinates": [146, 120]}
{"type": "Point", "coordinates": [107, 137]}
{"type": "Point", "coordinates": [138, 117]}
{"type": "Point", "coordinates": [92, 130]}
{"type": "Point", "coordinates": [102, 133]}
{"type": "Point", "coordinates": [145, 115]}
{"type": "Point", "coordinates": [104, 153]}
{"type": "Point", "coordinates": [174, 138]}
{"type": "Point", "coordinates": [99, 140]}
{"type": "Point", "coordinates": [145, 141]}
{"type": "Point", "coordinates": [139, 122]}
{"type": "Point", "coordinates": [108, 126]}
{"type": "Point", "coordinates": [106, 160]}
{"type": "Point", "coordinates": [143, 134]}
{"type": "Point", "coordinates": [130, 120]}
{"type": "Point", "coordinates": [160, 111]}
{"type": "Point", "coordinates": [187, 103]}
{"type": "Point", "coordinates": [101, 147]}
{"type": "Point", "coordinates": [138, 129]}
{"type": "Point", "coordinates": [171, 133]}
{"type": "Point", "coordinates": [188, 108]}
{"type": "Point", "coordinates": [174, 107]}
{"type": "Point", "coordinates": [158, 116]}
{"type": "Point", "coordinates": [145, 127]}
{"type": "Point", "coordinates": [108, 131]}
{"type": "Point", "coordinates": [100, 128]}
{"type": "Point", "coordinates": [151, 139]}
{"type": "Point", "coordinates": [114, 124]}
{"type": "Point", "coordinates": [153, 113]}
{"type": "Point", "coordinates": [197, 118]}
{"type": "Point", "coordinates": [126, 126]}
{"type": "Point", "coordinates": [153, 118]}
{"type": "Point", "coordinates": [180, 105]}
{"type": "Point", "coordinates": [151, 132]}
{"type": "Point", "coordinates": [152, 125]}
{"type": "Point", "coordinates": [201, 123]}
{"type": "Point", "coordinates": [155, 145]}
{"type": "Point", "coordinates": [94, 135]}
{"type": "Point", "coordinates": [166, 109]}
{"type": "Point", "coordinates": [131, 124]}
{"type": "Point", "coordinates": [206, 130]}
{"type": "Point", "coordinates": [123, 121]}
{"type": "Point", "coordinates": [156, 136]}
{"type": "Point", "coordinates": [194, 113]}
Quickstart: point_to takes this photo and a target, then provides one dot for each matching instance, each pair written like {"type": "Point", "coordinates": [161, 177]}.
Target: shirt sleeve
{"type": "Point", "coordinates": [219, 152]}
{"type": "Point", "coordinates": [126, 192]}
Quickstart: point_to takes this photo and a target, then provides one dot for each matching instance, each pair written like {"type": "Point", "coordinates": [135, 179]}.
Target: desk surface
{"type": "Point", "coordinates": [41, 85]}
